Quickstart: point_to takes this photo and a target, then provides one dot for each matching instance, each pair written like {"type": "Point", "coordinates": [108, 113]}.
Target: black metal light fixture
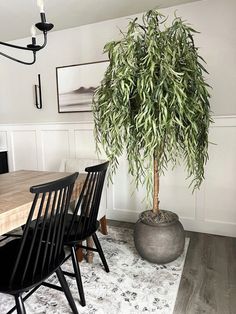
{"type": "Point", "coordinates": [43, 26]}
{"type": "Point", "coordinates": [38, 94]}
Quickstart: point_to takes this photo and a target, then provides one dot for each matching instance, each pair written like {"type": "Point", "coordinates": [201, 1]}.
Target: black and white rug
{"type": "Point", "coordinates": [132, 286]}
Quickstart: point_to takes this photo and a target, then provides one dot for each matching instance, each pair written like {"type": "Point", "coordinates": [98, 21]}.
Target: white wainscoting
{"type": "Point", "coordinates": [212, 209]}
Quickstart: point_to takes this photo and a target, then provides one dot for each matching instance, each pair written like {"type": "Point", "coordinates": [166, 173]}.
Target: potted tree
{"type": "Point", "coordinates": [153, 103]}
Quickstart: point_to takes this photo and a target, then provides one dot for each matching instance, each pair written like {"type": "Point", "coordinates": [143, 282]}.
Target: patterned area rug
{"type": "Point", "coordinates": [132, 286]}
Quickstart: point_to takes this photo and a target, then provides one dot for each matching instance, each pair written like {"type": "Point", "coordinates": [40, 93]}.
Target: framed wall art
{"type": "Point", "coordinates": [76, 85]}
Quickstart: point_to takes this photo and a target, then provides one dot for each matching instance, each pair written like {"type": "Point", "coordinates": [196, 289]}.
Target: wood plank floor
{"type": "Point", "coordinates": [208, 283]}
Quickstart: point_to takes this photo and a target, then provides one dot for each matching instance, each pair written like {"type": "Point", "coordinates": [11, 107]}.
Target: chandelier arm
{"type": "Point", "coordinates": [19, 61]}
{"type": "Point", "coordinates": [30, 47]}
{"type": "Point", "coordinates": [45, 40]}
{"type": "Point", "coordinates": [14, 46]}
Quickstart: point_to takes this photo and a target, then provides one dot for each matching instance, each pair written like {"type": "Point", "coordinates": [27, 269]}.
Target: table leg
{"type": "Point", "coordinates": [79, 253]}
{"type": "Point", "coordinates": [103, 225]}
{"type": "Point", "coordinates": [90, 254]}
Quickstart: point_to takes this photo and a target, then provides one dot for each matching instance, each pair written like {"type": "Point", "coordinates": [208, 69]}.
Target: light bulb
{"type": "Point", "coordinates": [40, 4]}
{"type": "Point", "coordinates": [33, 31]}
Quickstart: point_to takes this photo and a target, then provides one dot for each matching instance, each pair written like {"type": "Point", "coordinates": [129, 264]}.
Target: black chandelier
{"type": "Point", "coordinates": [43, 26]}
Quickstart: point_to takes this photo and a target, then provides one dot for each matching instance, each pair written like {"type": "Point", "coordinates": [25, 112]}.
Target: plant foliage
{"type": "Point", "coordinates": [153, 100]}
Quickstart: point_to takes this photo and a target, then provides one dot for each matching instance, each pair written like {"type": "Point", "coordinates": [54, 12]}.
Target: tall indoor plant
{"type": "Point", "coordinates": [153, 103]}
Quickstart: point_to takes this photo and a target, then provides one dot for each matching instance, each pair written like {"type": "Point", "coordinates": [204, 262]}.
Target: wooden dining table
{"type": "Point", "coordinates": [16, 199]}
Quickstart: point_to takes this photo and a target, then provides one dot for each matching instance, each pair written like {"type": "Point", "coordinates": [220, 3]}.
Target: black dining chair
{"type": "Point", "coordinates": [26, 262]}
{"type": "Point", "coordinates": [83, 222]}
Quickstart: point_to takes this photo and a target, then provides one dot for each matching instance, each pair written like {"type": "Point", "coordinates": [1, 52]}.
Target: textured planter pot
{"type": "Point", "coordinates": [159, 239]}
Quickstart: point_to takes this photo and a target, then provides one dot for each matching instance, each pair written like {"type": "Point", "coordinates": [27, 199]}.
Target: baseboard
{"type": "Point", "coordinates": [122, 215]}
{"type": "Point", "coordinates": [216, 228]}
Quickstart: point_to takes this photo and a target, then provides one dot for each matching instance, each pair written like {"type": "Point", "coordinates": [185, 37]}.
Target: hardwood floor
{"type": "Point", "coordinates": [208, 283]}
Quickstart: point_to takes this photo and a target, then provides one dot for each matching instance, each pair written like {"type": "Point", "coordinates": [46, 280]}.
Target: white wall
{"type": "Point", "coordinates": [213, 18]}
{"type": "Point", "coordinates": [210, 210]}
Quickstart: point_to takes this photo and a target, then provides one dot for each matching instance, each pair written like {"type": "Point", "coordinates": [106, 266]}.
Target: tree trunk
{"type": "Point", "coordinates": [156, 208]}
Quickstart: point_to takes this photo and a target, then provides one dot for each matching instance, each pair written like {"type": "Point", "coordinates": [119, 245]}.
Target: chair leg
{"type": "Point", "coordinates": [20, 308]}
{"type": "Point", "coordinates": [66, 290]}
{"type": "Point", "coordinates": [78, 276]}
{"type": "Point", "coordinates": [101, 254]}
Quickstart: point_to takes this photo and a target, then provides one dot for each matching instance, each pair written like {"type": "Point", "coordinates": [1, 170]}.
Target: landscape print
{"type": "Point", "coordinates": [76, 85]}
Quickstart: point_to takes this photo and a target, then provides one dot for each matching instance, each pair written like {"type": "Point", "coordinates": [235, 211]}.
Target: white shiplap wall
{"type": "Point", "coordinates": [212, 209]}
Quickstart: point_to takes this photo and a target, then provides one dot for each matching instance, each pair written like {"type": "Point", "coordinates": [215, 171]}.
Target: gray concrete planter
{"type": "Point", "coordinates": [159, 238]}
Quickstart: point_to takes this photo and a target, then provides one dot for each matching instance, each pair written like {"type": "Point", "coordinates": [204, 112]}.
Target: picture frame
{"type": "Point", "coordinates": [76, 85]}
